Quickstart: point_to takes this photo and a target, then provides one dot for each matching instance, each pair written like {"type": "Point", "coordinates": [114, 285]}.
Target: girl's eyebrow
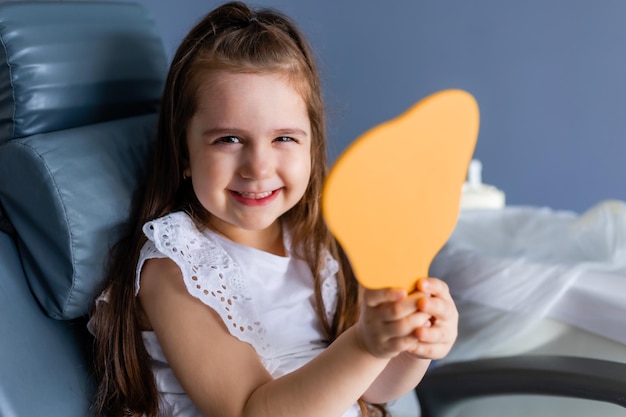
{"type": "Point", "coordinates": [293, 131]}
{"type": "Point", "coordinates": [224, 131]}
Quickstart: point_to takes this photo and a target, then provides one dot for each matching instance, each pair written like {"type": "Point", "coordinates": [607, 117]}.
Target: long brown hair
{"type": "Point", "coordinates": [231, 38]}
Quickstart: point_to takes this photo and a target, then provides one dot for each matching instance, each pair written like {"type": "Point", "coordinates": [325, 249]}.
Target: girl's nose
{"type": "Point", "coordinates": [258, 163]}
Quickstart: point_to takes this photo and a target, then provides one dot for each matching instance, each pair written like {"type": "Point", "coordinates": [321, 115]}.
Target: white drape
{"type": "Point", "coordinates": [508, 269]}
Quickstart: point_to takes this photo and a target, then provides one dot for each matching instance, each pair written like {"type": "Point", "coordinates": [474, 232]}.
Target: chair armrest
{"type": "Point", "coordinates": [566, 376]}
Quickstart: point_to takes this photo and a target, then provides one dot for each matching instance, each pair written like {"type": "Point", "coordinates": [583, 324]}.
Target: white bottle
{"type": "Point", "coordinates": [477, 195]}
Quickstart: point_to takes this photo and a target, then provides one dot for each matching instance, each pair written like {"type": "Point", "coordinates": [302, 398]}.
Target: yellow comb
{"type": "Point", "coordinates": [392, 198]}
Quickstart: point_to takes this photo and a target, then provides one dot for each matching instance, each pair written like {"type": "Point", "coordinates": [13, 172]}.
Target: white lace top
{"type": "Point", "coordinates": [265, 300]}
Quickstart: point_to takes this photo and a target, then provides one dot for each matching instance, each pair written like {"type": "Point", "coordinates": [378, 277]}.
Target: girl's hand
{"type": "Point", "coordinates": [390, 320]}
{"type": "Point", "coordinates": [436, 337]}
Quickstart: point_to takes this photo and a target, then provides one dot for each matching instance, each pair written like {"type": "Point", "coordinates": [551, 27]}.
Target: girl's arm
{"type": "Point", "coordinates": [432, 339]}
{"type": "Point", "coordinates": [224, 376]}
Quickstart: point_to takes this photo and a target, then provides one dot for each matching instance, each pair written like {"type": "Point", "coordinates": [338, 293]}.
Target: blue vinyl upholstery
{"type": "Point", "coordinates": [80, 84]}
{"type": "Point", "coordinates": [44, 365]}
{"type": "Point", "coordinates": [66, 193]}
{"type": "Point", "coordinates": [68, 64]}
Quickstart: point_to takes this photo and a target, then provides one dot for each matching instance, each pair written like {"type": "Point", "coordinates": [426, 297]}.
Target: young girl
{"type": "Point", "coordinates": [230, 297]}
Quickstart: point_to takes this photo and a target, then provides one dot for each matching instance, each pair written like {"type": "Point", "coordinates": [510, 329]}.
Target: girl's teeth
{"type": "Point", "coordinates": [255, 195]}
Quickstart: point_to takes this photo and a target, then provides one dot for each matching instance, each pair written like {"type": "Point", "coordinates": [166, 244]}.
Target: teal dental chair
{"type": "Point", "coordinates": [79, 88]}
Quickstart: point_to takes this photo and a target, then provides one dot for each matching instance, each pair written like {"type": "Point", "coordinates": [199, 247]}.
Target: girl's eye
{"type": "Point", "coordinates": [228, 140]}
{"type": "Point", "coordinates": [284, 139]}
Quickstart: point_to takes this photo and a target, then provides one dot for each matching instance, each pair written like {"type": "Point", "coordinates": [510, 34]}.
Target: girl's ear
{"type": "Point", "coordinates": [186, 173]}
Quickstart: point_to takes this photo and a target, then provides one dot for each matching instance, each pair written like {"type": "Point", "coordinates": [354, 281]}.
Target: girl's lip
{"type": "Point", "coordinates": [255, 199]}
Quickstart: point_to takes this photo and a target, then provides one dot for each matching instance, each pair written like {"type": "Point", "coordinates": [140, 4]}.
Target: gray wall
{"type": "Point", "coordinates": [549, 76]}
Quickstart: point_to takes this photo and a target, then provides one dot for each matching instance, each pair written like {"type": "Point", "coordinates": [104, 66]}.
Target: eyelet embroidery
{"type": "Point", "coordinates": [209, 274]}
{"type": "Point", "coordinates": [329, 286]}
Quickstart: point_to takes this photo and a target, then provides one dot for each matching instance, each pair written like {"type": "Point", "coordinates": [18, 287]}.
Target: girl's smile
{"type": "Point", "coordinates": [249, 152]}
{"type": "Point", "coordinates": [255, 199]}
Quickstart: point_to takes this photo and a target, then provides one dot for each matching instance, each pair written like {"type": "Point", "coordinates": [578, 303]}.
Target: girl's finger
{"type": "Point", "coordinates": [431, 334]}
{"type": "Point", "coordinates": [437, 333]}
{"type": "Point", "coordinates": [406, 326]}
{"type": "Point", "coordinates": [429, 351]}
{"type": "Point", "coordinates": [392, 311]}
{"type": "Point", "coordinates": [373, 298]}
{"type": "Point", "coordinates": [440, 308]}
{"type": "Point", "coordinates": [434, 286]}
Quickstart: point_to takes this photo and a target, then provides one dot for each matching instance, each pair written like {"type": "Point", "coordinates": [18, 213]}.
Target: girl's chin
{"type": "Point", "coordinates": [245, 226]}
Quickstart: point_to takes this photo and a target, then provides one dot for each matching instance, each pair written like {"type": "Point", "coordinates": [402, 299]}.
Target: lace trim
{"type": "Point", "coordinates": [329, 286]}
{"type": "Point", "coordinates": [209, 275]}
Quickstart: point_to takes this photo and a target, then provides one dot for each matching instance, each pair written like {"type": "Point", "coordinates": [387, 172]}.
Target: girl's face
{"type": "Point", "coordinates": [249, 152]}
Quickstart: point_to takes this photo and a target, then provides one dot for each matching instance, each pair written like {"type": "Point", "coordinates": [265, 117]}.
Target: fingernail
{"type": "Point", "coordinates": [424, 284]}
{"type": "Point", "coordinates": [400, 294]}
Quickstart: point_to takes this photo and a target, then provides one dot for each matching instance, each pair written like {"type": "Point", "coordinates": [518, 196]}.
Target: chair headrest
{"type": "Point", "coordinates": [69, 64]}
{"type": "Point", "coordinates": [80, 84]}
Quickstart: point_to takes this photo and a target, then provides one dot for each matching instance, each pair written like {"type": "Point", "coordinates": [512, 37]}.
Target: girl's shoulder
{"type": "Point", "coordinates": [179, 223]}
{"type": "Point", "coordinates": [195, 250]}
{"type": "Point", "coordinates": [178, 236]}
